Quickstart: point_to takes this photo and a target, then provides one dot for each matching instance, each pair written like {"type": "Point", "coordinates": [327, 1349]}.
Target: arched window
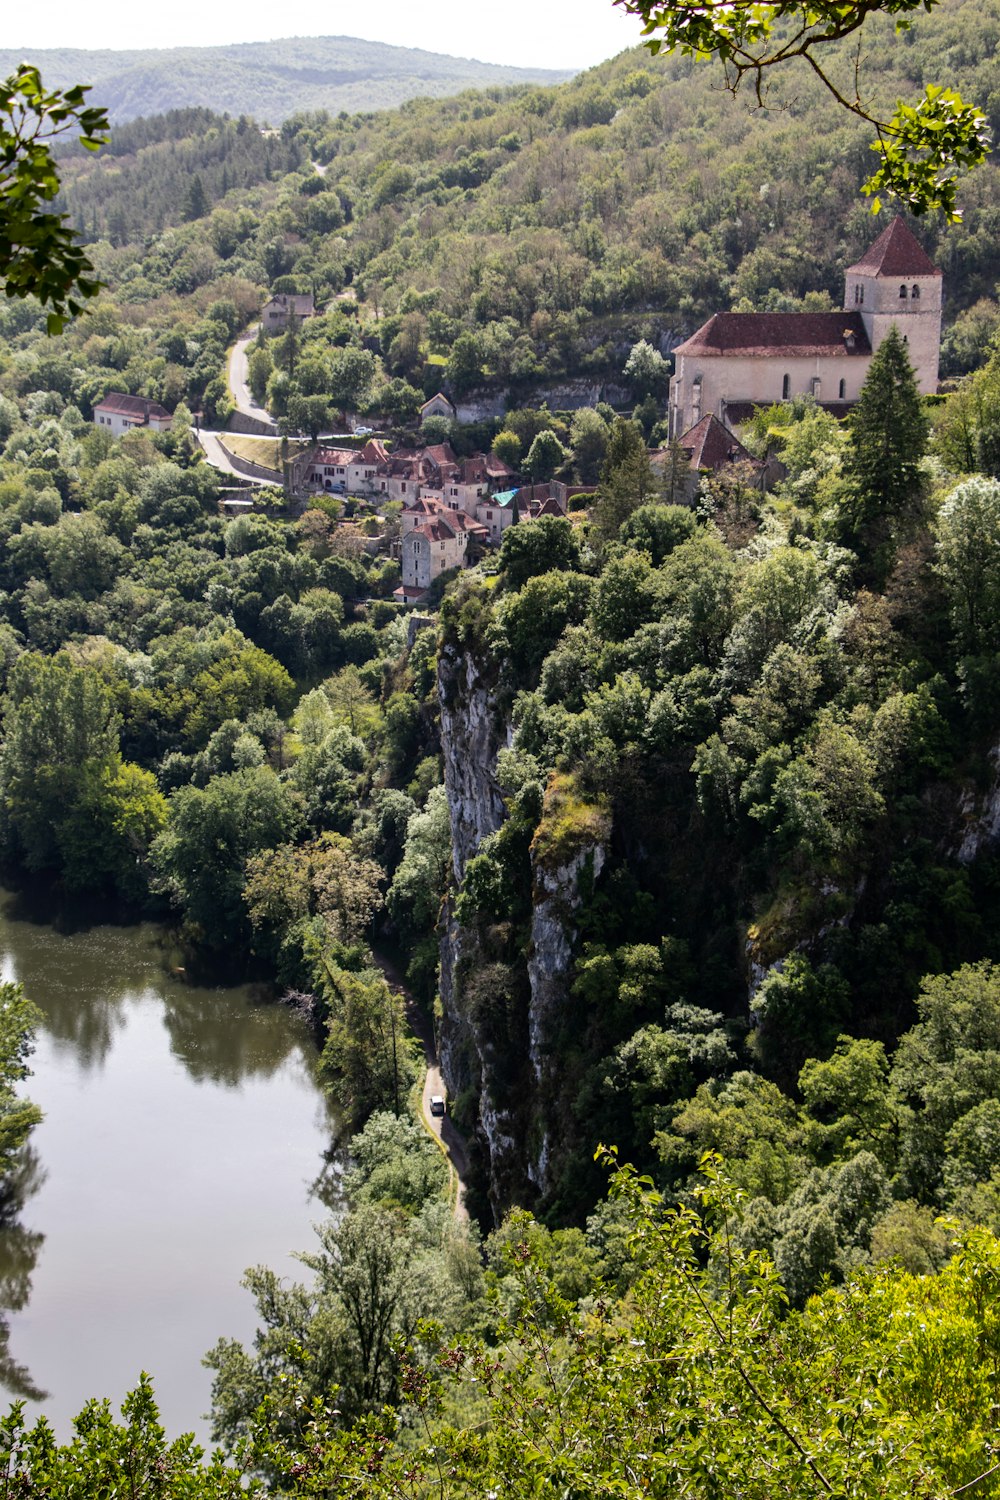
{"type": "Point", "coordinates": [902, 290]}
{"type": "Point", "coordinates": [843, 389]}
{"type": "Point", "coordinates": [786, 386]}
{"type": "Point", "coordinates": [914, 292]}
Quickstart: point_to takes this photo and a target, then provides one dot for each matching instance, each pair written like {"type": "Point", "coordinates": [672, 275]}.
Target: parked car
{"type": "Point", "coordinates": [363, 431]}
{"type": "Point", "coordinates": [437, 1104]}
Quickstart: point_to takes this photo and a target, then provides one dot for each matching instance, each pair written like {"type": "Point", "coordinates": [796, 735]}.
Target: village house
{"type": "Point", "coordinates": [706, 448]}
{"type": "Point", "coordinates": [283, 306]}
{"type": "Point", "coordinates": [340, 471]}
{"type": "Point", "coordinates": [459, 484]}
{"type": "Point", "coordinates": [118, 413]}
{"type": "Point", "coordinates": [434, 541]}
{"type": "Point", "coordinates": [737, 361]}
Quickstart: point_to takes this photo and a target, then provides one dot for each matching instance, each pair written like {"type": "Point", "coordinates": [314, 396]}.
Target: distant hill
{"type": "Point", "coordinates": [269, 80]}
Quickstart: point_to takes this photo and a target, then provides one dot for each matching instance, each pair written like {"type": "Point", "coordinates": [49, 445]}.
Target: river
{"type": "Point", "coordinates": [184, 1140]}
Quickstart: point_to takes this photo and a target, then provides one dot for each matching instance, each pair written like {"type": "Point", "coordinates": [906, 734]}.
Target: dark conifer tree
{"type": "Point", "coordinates": [888, 438]}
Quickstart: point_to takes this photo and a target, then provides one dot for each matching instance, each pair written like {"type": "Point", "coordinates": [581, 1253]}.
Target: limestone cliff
{"type": "Point", "coordinates": [504, 992]}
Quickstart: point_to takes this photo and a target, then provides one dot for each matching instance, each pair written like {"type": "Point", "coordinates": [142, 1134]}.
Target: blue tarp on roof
{"type": "Point", "coordinates": [504, 498]}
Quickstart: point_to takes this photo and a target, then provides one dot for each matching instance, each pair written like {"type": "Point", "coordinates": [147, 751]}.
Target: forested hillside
{"type": "Point", "coordinates": [270, 80]}
{"type": "Point", "coordinates": [511, 239]}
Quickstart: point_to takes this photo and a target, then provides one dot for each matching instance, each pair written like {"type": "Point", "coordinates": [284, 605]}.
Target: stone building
{"type": "Point", "coordinates": [737, 361]}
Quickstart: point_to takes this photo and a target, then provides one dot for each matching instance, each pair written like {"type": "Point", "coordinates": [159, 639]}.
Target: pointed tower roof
{"type": "Point", "coordinates": [896, 252]}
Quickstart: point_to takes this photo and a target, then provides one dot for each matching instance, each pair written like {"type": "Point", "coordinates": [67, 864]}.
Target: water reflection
{"type": "Point", "coordinates": [19, 1249]}
{"type": "Point", "coordinates": [203, 1039]}
{"type": "Point", "coordinates": [89, 975]}
{"type": "Point", "coordinates": [184, 1138]}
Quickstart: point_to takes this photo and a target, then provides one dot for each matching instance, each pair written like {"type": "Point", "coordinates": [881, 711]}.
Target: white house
{"type": "Point", "coordinates": [118, 413]}
{"type": "Point", "coordinates": [283, 306]}
{"type": "Point", "coordinates": [737, 361]}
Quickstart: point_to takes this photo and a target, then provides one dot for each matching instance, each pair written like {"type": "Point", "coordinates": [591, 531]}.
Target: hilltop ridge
{"type": "Point", "coordinates": [270, 80]}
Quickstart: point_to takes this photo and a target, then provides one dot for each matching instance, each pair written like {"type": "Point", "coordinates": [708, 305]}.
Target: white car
{"type": "Point", "coordinates": [437, 1104]}
{"type": "Point", "coordinates": [363, 431]}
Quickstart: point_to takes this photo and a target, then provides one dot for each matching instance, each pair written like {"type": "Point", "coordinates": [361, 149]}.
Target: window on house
{"type": "Point", "coordinates": [817, 386]}
{"type": "Point", "coordinates": [857, 294]}
{"type": "Point", "coordinates": [902, 290]}
{"type": "Point", "coordinates": [786, 386]}
{"type": "Point", "coordinates": [914, 292]}
{"type": "Point", "coordinates": [862, 297]}
{"type": "Point", "coordinates": [843, 389]}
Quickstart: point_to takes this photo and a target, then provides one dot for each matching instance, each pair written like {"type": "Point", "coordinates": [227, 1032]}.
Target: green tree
{"type": "Point", "coordinates": [367, 1062]}
{"type": "Point", "coordinates": [945, 1068]}
{"type": "Point", "coordinates": [507, 446]}
{"type": "Point", "coordinates": [589, 436]}
{"type": "Point", "coordinates": [888, 438]}
{"type": "Point", "coordinates": [39, 255]}
{"type": "Point", "coordinates": [646, 371]}
{"type": "Point", "coordinates": [376, 1274]}
{"type": "Point", "coordinates": [260, 367]}
{"type": "Point", "coordinates": [196, 203]}
{"type": "Point", "coordinates": [922, 148]}
{"type": "Point", "coordinates": [878, 1388]}
{"type": "Point", "coordinates": [627, 479]}
{"type": "Point", "coordinates": [657, 529]}
{"type": "Point", "coordinates": [60, 731]}
{"type": "Point", "coordinates": [105, 1457]}
{"type": "Point", "coordinates": [18, 1021]}
{"type": "Point", "coordinates": [968, 560]}
{"type": "Point", "coordinates": [538, 547]}
{"type": "Point", "coordinates": [544, 457]}
{"type": "Point", "coordinates": [211, 833]}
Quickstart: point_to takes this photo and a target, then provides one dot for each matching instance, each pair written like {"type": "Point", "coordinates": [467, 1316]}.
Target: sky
{"type": "Point", "coordinates": [527, 33]}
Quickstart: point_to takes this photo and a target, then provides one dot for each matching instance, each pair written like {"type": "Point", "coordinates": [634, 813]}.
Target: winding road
{"type": "Point", "coordinates": [441, 1127]}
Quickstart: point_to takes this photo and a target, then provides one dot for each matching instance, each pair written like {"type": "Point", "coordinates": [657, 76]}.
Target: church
{"type": "Point", "coordinates": [737, 361]}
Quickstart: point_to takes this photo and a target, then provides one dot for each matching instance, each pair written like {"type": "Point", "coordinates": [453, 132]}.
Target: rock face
{"type": "Point", "coordinates": [980, 817]}
{"type": "Point", "coordinates": [473, 731]}
{"type": "Point", "coordinates": [557, 894]}
{"type": "Point", "coordinates": [508, 1063]}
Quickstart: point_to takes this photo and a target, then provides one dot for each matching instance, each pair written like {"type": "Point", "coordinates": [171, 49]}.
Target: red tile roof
{"type": "Point", "coordinates": [896, 252]}
{"type": "Point", "coordinates": [438, 530]}
{"type": "Point", "coordinates": [133, 406]}
{"type": "Point", "coordinates": [783, 335]}
{"type": "Point", "coordinates": [710, 444]}
{"type": "Point", "coordinates": [334, 456]}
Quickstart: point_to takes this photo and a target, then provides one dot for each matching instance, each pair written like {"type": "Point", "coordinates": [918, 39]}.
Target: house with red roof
{"type": "Point", "coordinates": [119, 413]}
{"type": "Point", "coordinates": [344, 471]}
{"type": "Point", "coordinates": [433, 541]}
{"type": "Point", "coordinates": [737, 361]}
